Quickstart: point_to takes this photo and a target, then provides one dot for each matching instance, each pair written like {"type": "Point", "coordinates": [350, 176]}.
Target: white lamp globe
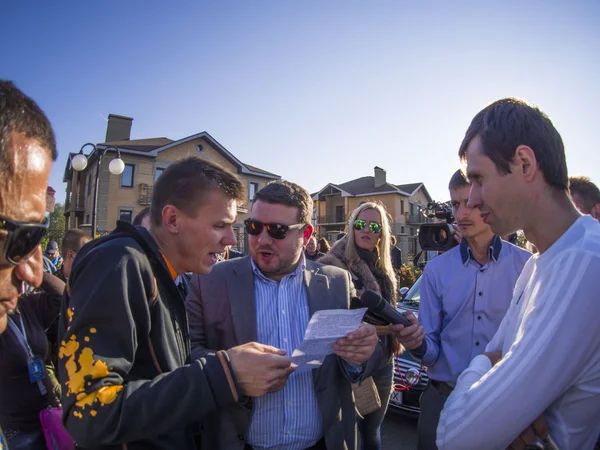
{"type": "Point", "coordinates": [79, 162]}
{"type": "Point", "coordinates": [116, 166]}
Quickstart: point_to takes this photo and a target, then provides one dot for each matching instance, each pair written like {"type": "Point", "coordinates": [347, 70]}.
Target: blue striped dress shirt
{"type": "Point", "coordinates": [288, 419]}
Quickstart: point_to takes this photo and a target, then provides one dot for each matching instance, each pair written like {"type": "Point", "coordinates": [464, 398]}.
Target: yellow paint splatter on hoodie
{"type": "Point", "coordinates": [81, 367]}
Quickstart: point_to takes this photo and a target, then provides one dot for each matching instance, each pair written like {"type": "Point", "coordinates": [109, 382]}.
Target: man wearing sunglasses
{"type": "Point", "coordinates": [269, 297]}
{"type": "Point", "coordinates": [27, 149]}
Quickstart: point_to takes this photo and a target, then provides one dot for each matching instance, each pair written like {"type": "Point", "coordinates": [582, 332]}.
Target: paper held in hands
{"type": "Point", "coordinates": [325, 327]}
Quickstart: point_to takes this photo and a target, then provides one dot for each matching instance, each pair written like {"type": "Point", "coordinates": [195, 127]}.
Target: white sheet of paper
{"type": "Point", "coordinates": [325, 327]}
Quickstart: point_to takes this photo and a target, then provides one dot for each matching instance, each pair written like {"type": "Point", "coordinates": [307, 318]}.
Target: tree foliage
{"type": "Point", "coordinates": [56, 226]}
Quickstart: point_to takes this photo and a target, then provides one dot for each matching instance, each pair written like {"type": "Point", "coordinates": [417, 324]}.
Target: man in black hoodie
{"type": "Point", "coordinates": [128, 381]}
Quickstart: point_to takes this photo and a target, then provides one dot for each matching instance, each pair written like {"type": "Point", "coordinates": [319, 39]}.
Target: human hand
{"type": "Point", "coordinates": [259, 368]}
{"type": "Point", "coordinates": [357, 346]}
{"type": "Point", "coordinates": [494, 357]}
{"type": "Point", "coordinates": [531, 435]}
{"type": "Point", "coordinates": [412, 336]}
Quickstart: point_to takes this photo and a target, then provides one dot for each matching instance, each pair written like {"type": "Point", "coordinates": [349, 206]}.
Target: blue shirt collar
{"type": "Point", "coordinates": [494, 251]}
{"type": "Point", "coordinates": [300, 267]}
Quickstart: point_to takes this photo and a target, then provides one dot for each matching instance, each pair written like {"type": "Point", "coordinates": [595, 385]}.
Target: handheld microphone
{"type": "Point", "coordinates": [377, 304]}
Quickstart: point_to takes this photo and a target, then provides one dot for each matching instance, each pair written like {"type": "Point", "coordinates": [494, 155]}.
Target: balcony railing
{"type": "Point", "coordinates": [75, 203]}
{"type": "Point", "coordinates": [331, 219]}
{"type": "Point", "coordinates": [145, 194]}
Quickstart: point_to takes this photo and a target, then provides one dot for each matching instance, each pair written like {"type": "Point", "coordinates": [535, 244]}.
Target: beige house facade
{"type": "Point", "coordinates": [121, 197]}
{"type": "Point", "coordinates": [404, 203]}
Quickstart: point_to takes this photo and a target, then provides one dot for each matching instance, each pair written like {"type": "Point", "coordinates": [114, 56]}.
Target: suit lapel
{"type": "Point", "coordinates": [317, 287]}
{"type": "Point", "coordinates": [240, 285]}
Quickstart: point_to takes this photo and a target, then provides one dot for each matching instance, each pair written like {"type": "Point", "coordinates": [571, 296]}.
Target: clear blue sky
{"type": "Point", "coordinates": [315, 91]}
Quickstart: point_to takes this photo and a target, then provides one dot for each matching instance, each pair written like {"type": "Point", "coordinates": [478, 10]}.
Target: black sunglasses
{"type": "Point", "coordinates": [275, 230]}
{"type": "Point", "coordinates": [23, 239]}
{"type": "Point", "coordinates": [360, 224]}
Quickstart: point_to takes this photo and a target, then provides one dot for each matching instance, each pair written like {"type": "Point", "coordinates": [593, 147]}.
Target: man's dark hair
{"type": "Point", "coordinates": [20, 114]}
{"type": "Point", "coordinates": [508, 123]}
{"type": "Point", "coordinates": [458, 180]}
{"type": "Point", "coordinates": [72, 240]}
{"type": "Point", "coordinates": [588, 191]}
{"type": "Point", "coordinates": [185, 184]}
{"type": "Point", "coordinates": [137, 220]}
{"type": "Point", "coordinates": [286, 193]}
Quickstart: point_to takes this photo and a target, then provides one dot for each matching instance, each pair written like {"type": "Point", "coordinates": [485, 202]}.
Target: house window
{"type": "Point", "coordinates": [89, 186]}
{"type": "Point", "coordinates": [252, 191]}
{"type": "Point", "coordinates": [157, 173]}
{"type": "Point", "coordinates": [339, 214]}
{"type": "Point", "coordinates": [412, 208]}
{"type": "Point", "coordinates": [402, 230]}
{"type": "Point", "coordinates": [199, 147]}
{"type": "Point", "coordinates": [402, 207]}
{"type": "Point", "coordinates": [87, 218]}
{"type": "Point", "coordinates": [127, 175]}
{"type": "Point", "coordinates": [126, 215]}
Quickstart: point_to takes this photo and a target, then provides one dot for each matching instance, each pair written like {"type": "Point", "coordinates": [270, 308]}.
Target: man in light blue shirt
{"type": "Point", "coordinates": [465, 294]}
{"type": "Point", "coordinates": [269, 297]}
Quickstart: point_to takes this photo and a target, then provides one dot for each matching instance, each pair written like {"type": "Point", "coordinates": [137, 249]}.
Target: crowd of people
{"type": "Point", "coordinates": [164, 337]}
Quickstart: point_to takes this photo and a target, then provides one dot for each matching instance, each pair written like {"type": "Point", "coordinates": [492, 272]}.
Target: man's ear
{"type": "Point", "coordinates": [526, 162]}
{"type": "Point", "coordinates": [308, 231]}
{"type": "Point", "coordinates": [170, 218]}
{"type": "Point", "coordinates": [595, 212]}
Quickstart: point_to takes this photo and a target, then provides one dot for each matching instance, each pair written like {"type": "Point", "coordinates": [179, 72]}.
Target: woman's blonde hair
{"type": "Point", "coordinates": [383, 245]}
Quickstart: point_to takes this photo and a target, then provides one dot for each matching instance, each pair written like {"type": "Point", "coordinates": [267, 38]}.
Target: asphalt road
{"type": "Point", "coordinates": [398, 432]}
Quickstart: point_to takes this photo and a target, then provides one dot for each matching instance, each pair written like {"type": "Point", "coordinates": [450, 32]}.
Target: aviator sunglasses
{"type": "Point", "coordinates": [360, 224]}
{"type": "Point", "coordinates": [275, 230]}
{"type": "Point", "coordinates": [23, 239]}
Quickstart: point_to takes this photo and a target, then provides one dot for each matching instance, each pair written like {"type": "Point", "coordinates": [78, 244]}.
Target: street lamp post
{"type": "Point", "coordinates": [116, 167]}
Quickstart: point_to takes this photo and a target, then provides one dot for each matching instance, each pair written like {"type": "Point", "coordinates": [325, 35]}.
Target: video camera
{"type": "Point", "coordinates": [438, 236]}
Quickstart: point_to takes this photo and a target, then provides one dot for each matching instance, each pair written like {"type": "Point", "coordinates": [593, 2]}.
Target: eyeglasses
{"type": "Point", "coordinates": [22, 240]}
{"type": "Point", "coordinates": [275, 230]}
{"type": "Point", "coordinates": [360, 224]}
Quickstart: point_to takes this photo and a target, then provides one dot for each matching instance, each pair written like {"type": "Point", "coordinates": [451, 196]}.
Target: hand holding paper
{"type": "Point", "coordinates": [325, 328]}
{"type": "Point", "coordinates": [358, 346]}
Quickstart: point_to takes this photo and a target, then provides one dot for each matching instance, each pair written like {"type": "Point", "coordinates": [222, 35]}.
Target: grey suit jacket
{"type": "Point", "coordinates": [222, 314]}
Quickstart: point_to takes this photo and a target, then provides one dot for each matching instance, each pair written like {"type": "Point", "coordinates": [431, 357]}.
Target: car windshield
{"type": "Point", "coordinates": [413, 296]}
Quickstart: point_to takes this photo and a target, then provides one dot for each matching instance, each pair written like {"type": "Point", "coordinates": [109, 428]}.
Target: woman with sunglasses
{"type": "Point", "coordinates": [366, 253]}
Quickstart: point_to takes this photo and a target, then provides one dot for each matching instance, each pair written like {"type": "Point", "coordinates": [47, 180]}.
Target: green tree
{"type": "Point", "coordinates": [56, 226]}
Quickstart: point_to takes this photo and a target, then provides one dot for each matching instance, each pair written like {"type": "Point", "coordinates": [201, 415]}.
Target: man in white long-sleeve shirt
{"type": "Point", "coordinates": [545, 358]}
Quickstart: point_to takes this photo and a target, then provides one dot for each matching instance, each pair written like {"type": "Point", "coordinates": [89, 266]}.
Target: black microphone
{"type": "Point", "coordinates": [377, 305]}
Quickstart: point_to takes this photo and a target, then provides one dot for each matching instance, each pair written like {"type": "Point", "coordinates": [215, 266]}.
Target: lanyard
{"type": "Point", "coordinates": [22, 337]}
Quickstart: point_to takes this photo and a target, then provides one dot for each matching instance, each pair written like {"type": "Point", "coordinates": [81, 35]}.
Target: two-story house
{"type": "Point", "coordinates": [405, 204]}
{"type": "Point", "coordinates": [123, 196]}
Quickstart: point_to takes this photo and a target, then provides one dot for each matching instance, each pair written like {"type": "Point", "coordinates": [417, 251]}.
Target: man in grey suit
{"type": "Point", "coordinates": [269, 297]}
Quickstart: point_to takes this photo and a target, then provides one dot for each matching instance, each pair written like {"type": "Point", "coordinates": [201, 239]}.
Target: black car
{"type": "Point", "coordinates": [410, 378]}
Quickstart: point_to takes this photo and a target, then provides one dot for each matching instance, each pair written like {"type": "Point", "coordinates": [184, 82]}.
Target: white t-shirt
{"type": "Point", "coordinates": [550, 342]}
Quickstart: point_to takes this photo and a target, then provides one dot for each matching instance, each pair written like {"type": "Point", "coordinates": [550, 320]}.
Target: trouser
{"type": "Point", "coordinates": [370, 425]}
{"type": "Point", "coordinates": [25, 440]}
{"type": "Point", "coordinates": [318, 446]}
{"type": "Point", "coordinates": [431, 403]}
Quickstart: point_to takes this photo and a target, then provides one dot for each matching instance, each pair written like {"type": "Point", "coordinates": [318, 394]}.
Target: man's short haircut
{"type": "Point", "coordinates": [137, 220]}
{"type": "Point", "coordinates": [508, 123]}
{"type": "Point", "coordinates": [286, 193]}
{"type": "Point", "coordinates": [588, 191]}
{"type": "Point", "coordinates": [72, 240]}
{"type": "Point", "coordinates": [20, 114]}
{"type": "Point", "coordinates": [186, 183]}
{"type": "Point", "coordinates": [458, 180]}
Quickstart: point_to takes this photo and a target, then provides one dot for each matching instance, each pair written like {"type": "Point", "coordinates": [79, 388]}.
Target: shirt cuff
{"type": "Point", "coordinates": [420, 351]}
